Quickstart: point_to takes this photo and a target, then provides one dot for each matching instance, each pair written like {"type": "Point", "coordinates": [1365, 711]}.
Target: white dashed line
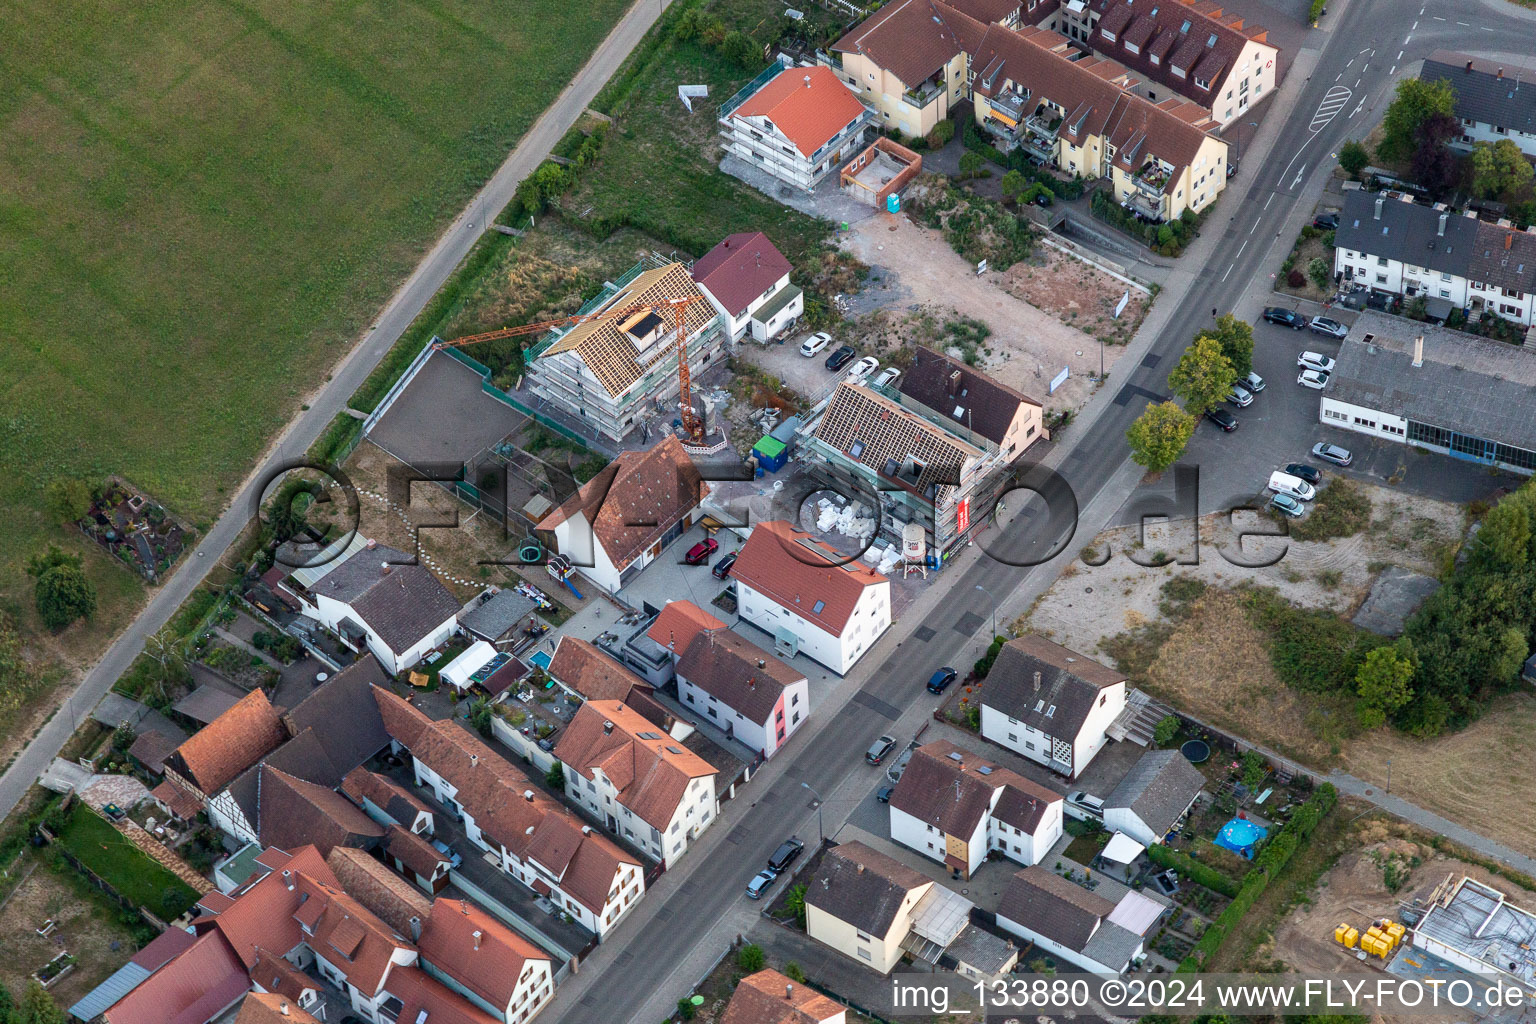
{"type": "Point", "coordinates": [1254, 228]}
{"type": "Point", "coordinates": [1269, 200]}
{"type": "Point", "coordinates": [1438, 18]}
{"type": "Point", "coordinates": [1415, 27]}
{"type": "Point", "coordinates": [1399, 54]}
{"type": "Point", "coordinates": [1389, 74]}
{"type": "Point", "coordinates": [1229, 271]}
{"type": "Point", "coordinates": [1241, 248]}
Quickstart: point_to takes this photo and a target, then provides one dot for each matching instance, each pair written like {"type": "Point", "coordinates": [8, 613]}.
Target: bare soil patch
{"type": "Point", "coordinates": [1078, 293]}
{"type": "Point", "coordinates": [85, 928]}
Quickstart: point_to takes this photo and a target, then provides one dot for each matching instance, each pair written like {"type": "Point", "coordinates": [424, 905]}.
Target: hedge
{"type": "Point", "coordinates": [1270, 861]}
{"type": "Point", "coordinates": [1201, 874]}
{"type": "Point", "coordinates": [976, 142]}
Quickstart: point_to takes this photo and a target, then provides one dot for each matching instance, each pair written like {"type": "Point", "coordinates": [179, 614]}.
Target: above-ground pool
{"type": "Point", "coordinates": [1240, 836]}
{"type": "Point", "coordinates": [1196, 751]}
{"type": "Point", "coordinates": [541, 660]}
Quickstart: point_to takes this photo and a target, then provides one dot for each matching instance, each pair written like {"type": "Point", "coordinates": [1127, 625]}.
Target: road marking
{"type": "Point", "coordinates": [1352, 60]}
{"type": "Point", "coordinates": [1461, 23]}
{"type": "Point", "coordinates": [1269, 200]}
{"type": "Point", "coordinates": [1415, 27]}
{"type": "Point", "coordinates": [1389, 75]}
{"type": "Point", "coordinates": [1438, 18]}
{"type": "Point", "coordinates": [1365, 67]}
{"type": "Point", "coordinates": [1298, 176]}
{"type": "Point", "coordinates": [1229, 271]}
{"type": "Point", "coordinates": [1399, 54]}
{"type": "Point", "coordinates": [1242, 247]}
{"type": "Point", "coordinates": [1485, 28]}
{"type": "Point", "coordinates": [1255, 226]}
{"type": "Point", "coordinates": [1357, 83]}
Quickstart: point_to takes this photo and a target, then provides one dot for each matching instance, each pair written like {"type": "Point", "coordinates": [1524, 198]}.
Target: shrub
{"type": "Point", "coordinates": [793, 971]}
{"type": "Point", "coordinates": [1353, 158]}
{"type": "Point", "coordinates": [1165, 730]}
{"type": "Point", "coordinates": [1319, 272]}
{"type": "Point", "coordinates": [1165, 856]}
{"type": "Point", "coordinates": [1342, 509]}
{"type": "Point", "coordinates": [984, 663]}
{"type": "Point", "coordinates": [751, 958]}
{"type": "Point", "coordinates": [1295, 278]}
{"type": "Point", "coordinates": [941, 134]}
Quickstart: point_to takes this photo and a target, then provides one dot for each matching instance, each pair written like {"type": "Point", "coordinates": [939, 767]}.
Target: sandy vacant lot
{"type": "Point", "coordinates": [1081, 295]}
{"type": "Point", "coordinates": [1028, 346]}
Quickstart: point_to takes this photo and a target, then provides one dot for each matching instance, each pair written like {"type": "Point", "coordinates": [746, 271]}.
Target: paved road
{"type": "Point", "coordinates": [331, 399]}
{"type": "Point", "coordinates": [674, 935]}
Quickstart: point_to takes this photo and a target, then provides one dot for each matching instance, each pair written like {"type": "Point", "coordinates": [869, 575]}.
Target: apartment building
{"type": "Point", "coordinates": [1495, 100]}
{"type": "Point", "coordinates": [1050, 704]}
{"type": "Point", "coordinates": [796, 123]}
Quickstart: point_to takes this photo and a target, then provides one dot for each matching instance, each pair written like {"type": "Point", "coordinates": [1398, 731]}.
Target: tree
{"type": "Point", "coordinates": [69, 498]}
{"type": "Point", "coordinates": [794, 972]}
{"type": "Point", "coordinates": [1203, 376]}
{"type": "Point", "coordinates": [1499, 169]}
{"type": "Point", "coordinates": [970, 164]}
{"type": "Point", "coordinates": [1236, 338]}
{"type": "Point", "coordinates": [751, 958]}
{"type": "Point", "coordinates": [686, 1009]}
{"type": "Point", "coordinates": [1013, 183]}
{"type": "Point", "coordinates": [1255, 767]}
{"type": "Point", "coordinates": [738, 48]}
{"type": "Point", "coordinates": [1384, 682]}
{"type": "Point", "coordinates": [1416, 100]}
{"type": "Point", "coordinates": [62, 592]}
{"type": "Point", "coordinates": [1319, 271]}
{"type": "Point", "coordinates": [1434, 165]}
{"type": "Point", "coordinates": [7, 1007]}
{"type": "Point", "coordinates": [38, 1007]}
{"type": "Point", "coordinates": [1166, 729]}
{"type": "Point", "coordinates": [1504, 538]}
{"type": "Point", "coordinates": [1159, 435]}
{"type": "Point", "coordinates": [555, 777]}
{"type": "Point", "coordinates": [1353, 157]}
{"type": "Point", "coordinates": [794, 902]}
{"type": "Point", "coordinates": [941, 134]}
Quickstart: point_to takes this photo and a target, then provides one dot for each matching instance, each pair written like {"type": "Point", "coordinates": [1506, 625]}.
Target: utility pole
{"type": "Point", "coordinates": [821, 836]}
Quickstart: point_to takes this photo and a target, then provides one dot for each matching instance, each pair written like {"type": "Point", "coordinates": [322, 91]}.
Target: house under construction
{"type": "Point", "coordinates": [615, 373]}
{"type": "Point", "coordinates": [1473, 926]}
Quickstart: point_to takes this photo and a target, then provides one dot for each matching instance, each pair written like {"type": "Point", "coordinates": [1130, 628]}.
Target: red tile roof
{"type": "Point", "coordinates": [275, 975]}
{"type": "Point", "coordinates": [263, 914]}
{"type": "Point", "coordinates": [272, 1008]}
{"type": "Point", "coordinates": [375, 885]}
{"type": "Point", "coordinates": [591, 673]}
{"type": "Point", "coordinates": [182, 802]}
{"type": "Point", "coordinates": [476, 950]}
{"type": "Point", "coordinates": [738, 673]}
{"type": "Point", "coordinates": [386, 794]}
{"type": "Point", "coordinates": [785, 564]}
{"type": "Point", "coordinates": [426, 998]}
{"type": "Point", "coordinates": [678, 623]}
{"type": "Point", "coordinates": [811, 106]}
{"type": "Point", "coordinates": [650, 770]}
{"type": "Point", "coordinates": [769, 997]}
{"type": "Point", "coordinates": [229, 744]}
{"type": "Point", "coordinates": [162, 949]}
{"type": "Point", "coordinates": [739, 269]}
{"type": "Point", "coordinates": [192, 989]}
{"type": "Point", "coordinates": [413, 851]}
{"type": "Point", "coordinates": [350, 936]}
{"type": "Point", "coordinates": [294, 812]}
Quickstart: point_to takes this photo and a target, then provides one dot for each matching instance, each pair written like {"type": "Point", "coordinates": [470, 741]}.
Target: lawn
{"type": "Point", "coordinates": [125, 867]}
{"type": "Point", "coordinates": [203, 207]}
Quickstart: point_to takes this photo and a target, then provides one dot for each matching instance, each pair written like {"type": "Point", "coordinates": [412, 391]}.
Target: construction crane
{"type": "Point", "coordinates": [692, 425]}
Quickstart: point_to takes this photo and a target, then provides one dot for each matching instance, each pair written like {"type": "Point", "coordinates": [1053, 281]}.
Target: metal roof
{"type": "Point", "coordinates": [122, 981]}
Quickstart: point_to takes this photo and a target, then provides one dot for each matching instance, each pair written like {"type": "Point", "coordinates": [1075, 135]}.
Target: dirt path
{"type": "Point", "coordinates": [1028, 346]}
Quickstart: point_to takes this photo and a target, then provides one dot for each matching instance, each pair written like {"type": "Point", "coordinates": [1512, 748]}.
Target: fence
{"type": "Point", "coordinates": [394, 392]}
{"type": "Point", "coordinates": [102, 884]}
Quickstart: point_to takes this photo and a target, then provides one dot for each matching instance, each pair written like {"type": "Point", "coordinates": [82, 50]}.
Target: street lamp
{"type": "Point", "coordinates": [984, 590]}
{"type": "Point", "coordinates": [821, 837]}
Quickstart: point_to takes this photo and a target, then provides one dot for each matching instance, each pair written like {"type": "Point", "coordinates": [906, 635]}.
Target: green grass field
{"type": "Point", "coordinates": [201, 207]}
{"type": "Point", "coordinates": [123, 866]}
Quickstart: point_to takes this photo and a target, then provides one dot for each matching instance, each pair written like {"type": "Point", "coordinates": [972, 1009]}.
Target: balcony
{"type": "Point", "coordinates": [922, 95]}
{"type": "Point", "coordinates": [1008, 104]}
{"type": "Point", "coordinates": [1044, 127]}
{"type": "Point", "coordinates": [1152, 178]}
{"type": "Point", "coordinates": [1143, 206]}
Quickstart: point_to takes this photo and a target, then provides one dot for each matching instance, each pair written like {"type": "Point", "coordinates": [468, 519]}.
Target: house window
{"type": "Point", "coordinates": [864, 953]}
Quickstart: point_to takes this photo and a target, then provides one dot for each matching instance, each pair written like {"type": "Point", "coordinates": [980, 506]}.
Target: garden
{"type": "Point", "coordinates": [105, 852]}
{"type": "Point", "coordinates": [133, 529]}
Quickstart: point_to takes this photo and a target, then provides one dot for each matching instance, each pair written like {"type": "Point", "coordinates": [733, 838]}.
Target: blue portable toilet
{"type": "Point", "coordinates": [893, 202]}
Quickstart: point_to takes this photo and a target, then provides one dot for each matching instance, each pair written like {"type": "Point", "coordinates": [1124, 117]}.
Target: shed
{"type": "Point", "coordinates": [771, 453]}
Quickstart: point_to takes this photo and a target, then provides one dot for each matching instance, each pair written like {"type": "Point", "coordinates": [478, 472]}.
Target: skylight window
{"type": "Point", "coordinates": [1186, 26]}
{"type": "Point", "coordinates": [1211, 41]}
{"type": "Point", "coordinates": [1050, 712]}
{"type": "Point", "coordinates": [856, 450]}
{"type": "Point", "coordinates": [1040, 706]}
{"type": "Point", "coordinates": [816, 608]}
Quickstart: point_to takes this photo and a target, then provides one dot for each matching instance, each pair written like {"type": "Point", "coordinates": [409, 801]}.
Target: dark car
{"type": "Point", "coordinates": [1307, 473]}
{"type": "Point", "coordinates": [1285, 317]}
{"type": "Point", "coordinates": [839, 359]}
{"type": "Point", "coordinates": [1326, 221]}
{"type": "Point", "coordinates": [700, 552]}
{"type": "Point", "coordinates": [1043, 199]}
{"type": "Point", "coordinates": [1223, 419]}
{"type": "Point", "coordinates": [785, 855]}
{"type": "Point", "coordinates": [878, 749]}
{"type": "Point", "coordinates": [722, 568]}
{"type": "Point", "coordinates": [883, 794]}
{"type": "Point", "coordinates": [940, 680]}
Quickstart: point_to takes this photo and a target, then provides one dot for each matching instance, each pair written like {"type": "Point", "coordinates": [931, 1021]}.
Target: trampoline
{"type": "Point", "coordinates": [1196, 751]}
{"type": "Point", "coordinates": [1240, 836]}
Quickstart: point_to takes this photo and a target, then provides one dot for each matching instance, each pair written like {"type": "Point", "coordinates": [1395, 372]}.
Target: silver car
{"type": "Point", "coordinates": [1240, 396]}
{"type": "Point", "coordinates": [1253, 382]}
{"type": "Point", "coordinates": [1328, 326]}
{"type": "Point", "coordinates": [1332, 453]}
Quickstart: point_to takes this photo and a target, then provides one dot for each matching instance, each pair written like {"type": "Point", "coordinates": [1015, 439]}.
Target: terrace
{"type": "Point", "coordinates": [1153, 177]}
{"type": "Point", "coordinates": [925, 92]}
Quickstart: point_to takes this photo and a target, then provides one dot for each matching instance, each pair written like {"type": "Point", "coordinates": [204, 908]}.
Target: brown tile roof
{"type": "Point", "coordinates": [955, 795]}
{"type": "Point", "coordinates": [262, 917]}
{"type": "Point", "coordinates": [810, 106]}
{"type": "Point", "coordinates": [737, 672]}
{"type": "Point", "coordinates": [192, 989]}
{"type": "Point", "coordinates": [912, 39]}
{"type": "Point", "coordinates": [973, 399]}
{"type": "Point", "coordinates": [294, 812]}
{"type": "Point", "coordinates": [213, 756]}
{"type": "Point", "coordinates": [880, 433]}
{"type": "Point", "coordinates": [636, 499]}
{"type": "Point", "coordinates": [1504, 257]}
{"type": "Point", "coordinates": [678, 623]}
{"type": "Point", "coordinates": [151, 749]}
{"type": "Point", "coordinates": [275, 975]}
{"type": "Point", "coordinates": [650, 770]}
{"type": "Point", "coordinates": [612, 354]}
{"type": "Point", "coordinates": [183, 802]}
{"type": "Point", "coordinates": [304, 757]}
{"type": "Point", "coordinates": [787, 565]}
{"type": "Point", "coordinates": [342, 711]}
{"type": "Point", "coordinates": [505, 804]}
{"type": "Point", "coordinates": [1060, 910]}
{"type": "Point", "coordinates": [476, 950]}
{"type": "Point", "coordinates": [272, 1008]}
{"type": "Point", "coordinates": [591, 673]}
{"type": "Point", "coordinates": [425, 998]}
{"type": "Point", "coordinates": [350, 937]}
{"type": "Point", "coordinates": [375, 885]}
{"type": "Point", "coordinates": [1070, 682]}
{"type": "Point", "coordinates": [162, 949]}
{"type": "Point", "coordinates": [385, 793]}
{"type": "Point", "coordinates": [413, 851]}
{"type": "Point", "coordinates": [769, 997]}
{"type": "Point", "coordinates": [1196, 37]}
{"type": "Point", "coordinates": [862, 887]}
{"type": "Point", "coordinates": [744, 265]}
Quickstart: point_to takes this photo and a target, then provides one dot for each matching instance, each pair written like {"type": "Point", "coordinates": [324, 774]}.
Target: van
{"type": "Point", "coordinates": [1294, 486]}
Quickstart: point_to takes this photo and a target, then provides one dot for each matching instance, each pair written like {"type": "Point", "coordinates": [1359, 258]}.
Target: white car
{"type": "Point", "coordinates": [859, 372]}
{"type": "Point", "coordinates": [1314, 379]}
{"type": "Point", "coordinates": [815, 343]}
{"type": "Point", "coordinates": [1315, 361]}
{"type": "Point", "coordinates": [886, 376]}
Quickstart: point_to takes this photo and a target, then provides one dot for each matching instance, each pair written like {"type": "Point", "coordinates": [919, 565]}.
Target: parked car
{"type": "Point", "coordinates": [883, 794]}
{"type": "Point", "coordinates": [1315, 361]}
{"type": "Point", "coordinates": [839, 359]}
{"type": "Point", "coordinates": [886, 376]}
{"type": "Point", "coordinates": [700, 552]}
{"type": "Point", "coordinates": [815, 343]}
{"type": "Point", "coordinates": [1223, 419]}
{"type": "Point", "coordinates": [759, 884]}
{"type": "Point", "coordinates": [1332, 453]}
{"type": "Point", "coordinates": [940, 680]}
{"type": "Point", "coordinates": [1281, 482]}
{"type": "Point", "coordinates": [785, 855]}
{"type": "Point", "coordinates": [1326, 222]}
{"type": "Point", "coordinates": [861, 370]}
{"type": "Point", "coordinates": [1314, 379]}
{"type": "Point", "coordinates": [1285, 317]}
{"type": "Point", "coordinates": [1240, 396]}
{"type": "Point", "coordinates": [1253, 382]}
{"type": "Point", "coordinates": [878, 749]}
{"type": "Point", "coordinates": [1043, 199]}
{"type": "Point", "coordinates": [1306, 472]}
{"type": "Point", "coordinates": [1328, 326]}
{"type": "Point", "coordinates": [1084, 805]}
{"type": "Point", "coordinates": [1288, 505]}
{"type": "Point", "coordinates": [722, 568]}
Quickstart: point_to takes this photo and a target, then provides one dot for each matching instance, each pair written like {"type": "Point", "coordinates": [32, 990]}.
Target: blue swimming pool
{"type": "Point", "coordinates": [541, 660]}
{"type": "Point", "coordinates": [1240, 836]}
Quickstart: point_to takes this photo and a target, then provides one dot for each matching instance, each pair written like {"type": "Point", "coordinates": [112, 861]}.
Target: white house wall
{"type": "Point", "coordinates": [1057, 949]}
{"type": "Point", "coordinates": [870, 618]}
{"type": "Point", "coordinates": [1090, 739]}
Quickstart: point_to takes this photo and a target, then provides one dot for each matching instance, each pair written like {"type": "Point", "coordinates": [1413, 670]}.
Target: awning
{"type": "Point", "coordinates": [1122, 849]}
{"type": "Point", "coordinates": [994, 112]}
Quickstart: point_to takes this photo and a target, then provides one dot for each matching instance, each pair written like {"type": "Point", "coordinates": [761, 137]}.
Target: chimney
{"type": "Point", "coordinates": [474, 760]}
{"type": "Point", "coordinates": [282, 1007]}
{"type": "Point", "coordinates": [789, 991]}
{"type": "Point", "coordinates": [953, 386]}
{"type": "Point", "coordinates": [607, 728]}
{"type": "Point", "coordinates": [1037, 682]}
{"type": "Point", "coordinates": [372, 544]}
{"type": "Point", "coordinates": [528, 795]}
{"type": "Point", "coordinates": [1509, 240]}
{"type": "Point", "coordinates": [858, 869]}
{"type": "Point", "coordinates": [383, 568]}
{"type": "Point", "coordinates": [1443, 218]}
{"type": "Point", "coordinates": [477, 936]}
{"type": "Point", "coordinates": [586, 830]}
{"type": "Point", "coordinates": [808, 78]}
{"type": "Point", "coordinates": [1469, 65]}
{"type": "Point", "coordinates": [761, 663]}
{"type": "Point", "coordinates": [1501, 74]}
{"type": "Point", "coordinates": [288, 879]}
{"type": "Point", "coordinates": [1418, 351]}
{"type": "Point", "coordinates": [1379, 201]}
{"type": "Point", "coordinates": [415, 929]}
